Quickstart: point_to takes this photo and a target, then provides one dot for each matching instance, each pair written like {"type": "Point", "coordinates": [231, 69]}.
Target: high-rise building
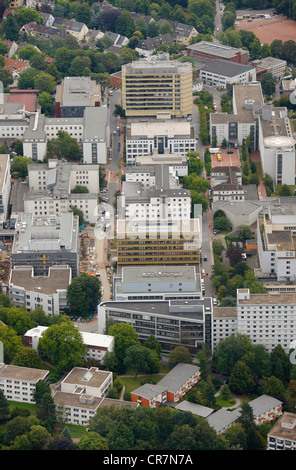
{"type": "Point", "coordinates": [157, 88]}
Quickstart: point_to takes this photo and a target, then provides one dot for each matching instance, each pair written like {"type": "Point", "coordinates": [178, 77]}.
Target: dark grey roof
{"type": "Point", "coordinates": [225, 67]}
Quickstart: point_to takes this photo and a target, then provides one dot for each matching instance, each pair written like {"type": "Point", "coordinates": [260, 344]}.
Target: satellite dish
{"type": "Point", "coordinates": [293, 97]}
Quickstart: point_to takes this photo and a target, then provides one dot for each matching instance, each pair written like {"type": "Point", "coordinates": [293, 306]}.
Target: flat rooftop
{"type": "Point", "coordinates": [149, 129]}
{"type": "Point", "coordinates": [213, 48]}
{"type": "Point", "coordinates": [92, 377]}
{"type": "Point", "coordinates": [225, 67]}
{"type": "Point", "coordinates": [269, 299]}
{"type": "Point", "coordinates": [159, 66]}
{"type": "Point", "coordinates": [158, 274]}
{"type": "Point", "coordinates": [78, 91]}
{"type": "Point", "coordinates": [285, 427]}
{"type": "Point", "coordinates": [58, 278]}
{"type": "Point", "coordinates": [46, 233]}
{"type": "Point", "coordinates": [26, 374]}
{"type": "Point", "coordinates": [192, 309]}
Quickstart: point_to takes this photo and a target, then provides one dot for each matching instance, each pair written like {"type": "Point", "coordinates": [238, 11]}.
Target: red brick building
{"type": "Point", "coordinates": [169, 389]}
{"type": "Point", "coordinates": [210, 50]}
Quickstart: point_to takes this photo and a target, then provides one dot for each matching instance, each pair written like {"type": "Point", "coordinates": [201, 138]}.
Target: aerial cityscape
{"type": "Point", "coordinates": [147, 227]}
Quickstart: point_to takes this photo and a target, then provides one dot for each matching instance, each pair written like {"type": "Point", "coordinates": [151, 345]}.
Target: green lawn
{"type": "Point", "coordinates": [131, 383]}
{"type": "Point", "coordinates": [28, 406]}
{"type": "Point", "coordinates": [225, 403]}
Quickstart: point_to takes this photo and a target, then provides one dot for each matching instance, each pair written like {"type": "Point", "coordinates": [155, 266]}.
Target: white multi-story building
{"type": "Point", "coordinates": [51, 189]}
{"type": "Point", "coordinates": [90, 131]}
{"type": "Point", "coordinates": [267, 319]}
{"type": "Point", "coordinates": [277, 146]}
{"type": "Point", "coordinates": [282, 436]}
{"type": "Point", "coordinates": [147, 137]}
{"type": "Point", "coordinates": [225, 73]}
{"type": "Point", "coordinates": [157, 283]}
{"type": "Point", "coordinates": [268, 128]}
{"type": "Point", "coordinates": [48, 292]}
{"type": "Point", "coordinates": [97, 345]}
{"type": "Point", "coordinates": [5, 182]}
{"type": "Point", "coordinates": [19, 383]}
{"type": "Point", "coordinates": [276, 231]}
{"type": "Point", "coordinates": [81, 392]}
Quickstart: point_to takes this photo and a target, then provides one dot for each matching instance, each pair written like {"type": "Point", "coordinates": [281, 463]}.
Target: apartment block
{"type": "Point", "coordinates": [268, 127]}
{"type": "Point", "coordinates": [277, 145]}
{"type": "Point", "coordinates": [276, 231]}
{"type": "Point", "coordinates": [19, 383]}
{"type": "Point", "coordinates": [75, 94]}
{"type": "Point", "coordinates": [172, 322]}
{"type": "Point", "coordinates": [154, 225]}
{"type": "Point", "coordinates": [224, 323]}
{"type": "Point", "coordinates": [265, 409]}
{"type": "Point", "coordinates": [5, 182]}
{"type": "Point", "coordinates": [157, 88]}
{"type": "Point", "coordinates": [82, 392]}
{"type": "Point", "coordinates": [45, 241]}
{"type": "Point", "coordinates": [51, 187]}
{"type": "Point", "coordinates": [48, 292]}
{"type": "Point", "coordinates": [267, 319]}
{"type": "Point", "coordinates": [224, 73]}
{"type": "Point", "coordinates": [91, 131]}
{"type": "Point", "coordinates": [97, 345]}
{"type": "Point", "coordinates": [160, 283]}
{"type": "Point", "coordinates": [214, 50]}
{"type": "Point", "coordinates": [159, 138]}
{"type": "Point", "coordinates": [283, 434]}
{"type": "Point", "coordinates": [277, 67]}
{"type": "Point", "coordinates": [172, 387]}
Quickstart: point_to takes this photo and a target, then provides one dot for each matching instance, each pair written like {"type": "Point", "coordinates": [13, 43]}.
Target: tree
{"type": "Point", "coordinates": [272, 386]}
{"type": "Point", "coordinates": [27, 78]}
{"type": "Point", "coordinates": [153, 344]}
{"type": "Point", "coordinates": [83, 295]}
{"type": "Point", "coordinates": [6, 77]}
{"type": "Point", "coordinates": [46, 412]}
{"type": "Point", "coordinates": [93, 441]}
{"type": "Point", "coordinates": [62, 345]}
{"type": "Point", "coordinates": [125, 24]}
{"type": "Point", "coordinates": [119, 111]}
{"type": "Point", "coordinates": [230, 350]}
{"type": "Point", "coordinates": [139, 358]}
{"type": "Point", "coordinates": [38, 437]}
{"type": "Point", "coordinates": [228, 20]}
{"type": "Point", "coordinates": [19, 166]}
{"type": "Point", "coordinates": [281, 365]}
{"type": "Point", "coordinates": [12, 343]}
{"type": "Point", "coordinates": [64, 146]}
{"type": "Point", "coordinates": [179, 354]}
{"type": "Point", "coordinates": [4, 408]}
{"type": "Point", "coordinates": [125, 336]}
{"type": "Point", "coordinates": [27, 357]}
{"type": "Point", "coordinates": [46, 102]}
{"type": "Point", "coordinates": [79, 189]}
{"type": "Point", "coordinates": [83, 13]}
{"type": "Point", "coordinates": [11, 28]}
{"type": "Point", "coordinates": [27, 15]}
{"type": "Point", "coordinates": [234, 253]}
{"type": "Point", "coordinates": [245, 233]}
{"type": "Point", "coordinates": [268, 83]}
{"type": "Point", "coordinates": [44, 82]}
{"type": "Point", "coordinates": [241, 380]}
{"type": "Point", "coordinates": [285, 190]}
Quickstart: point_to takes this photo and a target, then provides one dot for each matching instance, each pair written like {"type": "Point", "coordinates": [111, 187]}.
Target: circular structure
{"type": "Point", "coordinates": [276, 141]}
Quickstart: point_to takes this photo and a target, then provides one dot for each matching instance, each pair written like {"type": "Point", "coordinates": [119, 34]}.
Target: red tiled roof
{"type": "Point", "coordinates": [28, 97]}
{"type": "Point", "coordinates": [8, 11]}
{"type": "Point", "coordinates": [15, 65]}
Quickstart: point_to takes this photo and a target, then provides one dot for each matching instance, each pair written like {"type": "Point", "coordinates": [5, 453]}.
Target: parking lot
{"type": "Point", "coordinates": [226, 159]}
